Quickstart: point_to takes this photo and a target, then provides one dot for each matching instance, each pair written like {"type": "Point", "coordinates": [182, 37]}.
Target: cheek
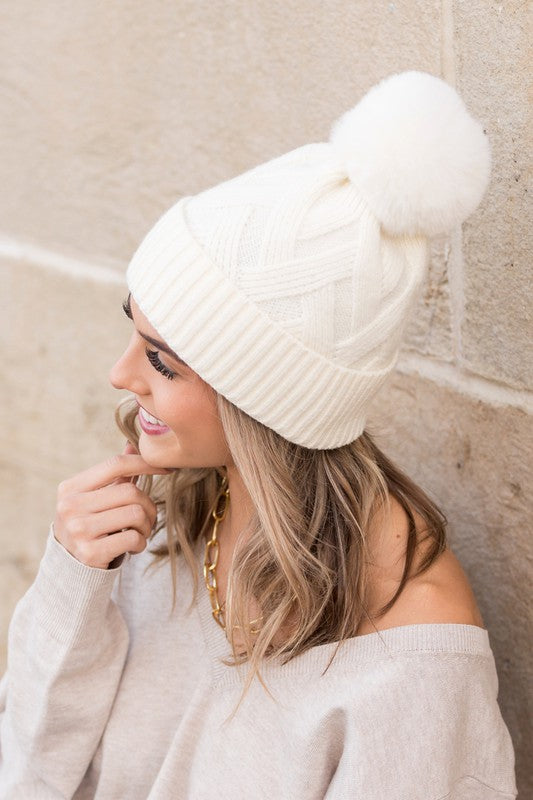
{"type": "Point", "coordinates": [191, 412]}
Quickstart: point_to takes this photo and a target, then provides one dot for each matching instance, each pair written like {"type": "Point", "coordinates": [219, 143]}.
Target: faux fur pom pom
{"type": "Point", "coordinates": [416, 155]}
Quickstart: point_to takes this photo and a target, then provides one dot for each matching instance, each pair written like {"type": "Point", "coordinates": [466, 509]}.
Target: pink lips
{"type": "Point", "coordinates": [149, 428]}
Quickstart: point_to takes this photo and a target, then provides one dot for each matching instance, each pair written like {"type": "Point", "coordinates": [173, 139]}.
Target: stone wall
{"type": "Point", "coordinates": [112, 111]}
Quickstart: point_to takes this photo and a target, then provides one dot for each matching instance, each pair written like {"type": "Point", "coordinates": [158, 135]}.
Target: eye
{"type": "Point", "coordinates": [155, 361]}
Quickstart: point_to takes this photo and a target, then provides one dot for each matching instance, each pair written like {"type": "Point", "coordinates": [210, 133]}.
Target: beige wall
{"type": "Point", "coordinates": [111, 111]}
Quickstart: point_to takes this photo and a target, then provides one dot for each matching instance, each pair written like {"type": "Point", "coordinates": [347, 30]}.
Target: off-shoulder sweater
{"type": "Point", "coordinates": [110, 695]}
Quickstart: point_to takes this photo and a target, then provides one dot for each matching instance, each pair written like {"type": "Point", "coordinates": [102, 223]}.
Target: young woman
{"type": "Point", "coordinates": [252, 600]}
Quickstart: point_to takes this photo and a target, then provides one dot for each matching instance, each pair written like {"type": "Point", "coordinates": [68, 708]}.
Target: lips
{"type": "Point", "coordinates": [150, 424]}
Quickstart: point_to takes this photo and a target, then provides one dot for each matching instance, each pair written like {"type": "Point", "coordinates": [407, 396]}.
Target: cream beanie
{"type": "Point", "coordinates": [288, 288]}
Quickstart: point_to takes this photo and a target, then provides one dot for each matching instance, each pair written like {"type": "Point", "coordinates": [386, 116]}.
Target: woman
{"type": "Point", "coordinates": [287, 621]}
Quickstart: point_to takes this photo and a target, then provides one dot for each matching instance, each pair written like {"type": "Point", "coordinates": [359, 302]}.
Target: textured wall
{"type": "Point", "coordinates": [112, 111]}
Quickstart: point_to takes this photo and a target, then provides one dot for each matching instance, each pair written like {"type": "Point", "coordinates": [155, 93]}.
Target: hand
{"type": "Point", "coordinates": [101, 514]}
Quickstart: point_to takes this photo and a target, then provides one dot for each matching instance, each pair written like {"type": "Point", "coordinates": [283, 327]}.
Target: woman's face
{"type": "Point", "coordinates": [187, 431]}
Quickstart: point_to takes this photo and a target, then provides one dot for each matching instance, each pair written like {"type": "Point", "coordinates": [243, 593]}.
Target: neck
{"type": "Point", "coordinates": [240, 510]}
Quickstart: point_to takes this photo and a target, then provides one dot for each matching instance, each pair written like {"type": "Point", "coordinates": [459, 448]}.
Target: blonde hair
{"type": "Point", "coordinates": [306, 552]}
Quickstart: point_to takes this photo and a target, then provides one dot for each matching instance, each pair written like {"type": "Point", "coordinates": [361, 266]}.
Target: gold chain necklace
{"type": "Point", "coordinates": [211, 561]}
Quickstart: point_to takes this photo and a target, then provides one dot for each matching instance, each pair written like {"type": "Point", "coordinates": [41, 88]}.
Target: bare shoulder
{"type": "Point", "coordinates": [441, 594]}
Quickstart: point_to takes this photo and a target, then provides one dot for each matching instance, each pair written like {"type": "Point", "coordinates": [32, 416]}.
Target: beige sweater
{"type": "Point", "coordinates": [110, 696]}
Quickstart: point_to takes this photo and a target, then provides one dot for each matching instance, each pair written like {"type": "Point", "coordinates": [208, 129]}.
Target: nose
{"type": "Point", "coordinates": [116, 378]}
{"type": "Point", "coordinates": [126, 372]}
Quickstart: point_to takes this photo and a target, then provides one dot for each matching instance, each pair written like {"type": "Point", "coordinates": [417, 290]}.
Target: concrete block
{"type": "Point", "coordinates": [113, 112]}
{"type": "Point", "coordinates": [493, 66]}
{"type": "Point", "coordinates": [61, 333]}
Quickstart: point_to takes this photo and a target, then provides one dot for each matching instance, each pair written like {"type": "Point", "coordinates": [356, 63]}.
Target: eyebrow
{"type": "Point", "coordinates": [126, 307]}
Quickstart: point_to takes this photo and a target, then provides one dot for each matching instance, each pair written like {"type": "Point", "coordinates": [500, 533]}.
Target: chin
{"type": "Point", "coordinates": [154, 454]}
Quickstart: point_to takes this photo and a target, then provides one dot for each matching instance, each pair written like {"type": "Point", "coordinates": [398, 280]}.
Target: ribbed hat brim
{"type": "Point", "coordinates": [237, 349]}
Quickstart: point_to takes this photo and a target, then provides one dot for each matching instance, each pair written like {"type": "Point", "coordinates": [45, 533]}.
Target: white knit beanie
{"type": "Point", "coordinates": [288, 288]}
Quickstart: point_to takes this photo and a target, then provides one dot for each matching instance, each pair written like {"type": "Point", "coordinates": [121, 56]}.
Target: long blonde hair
{"type": "Point", "coordinates": [306, 552]}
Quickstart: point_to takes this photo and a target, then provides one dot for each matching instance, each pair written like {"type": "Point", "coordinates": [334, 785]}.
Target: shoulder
{"type": "Point", "coordinates": [442, 594]}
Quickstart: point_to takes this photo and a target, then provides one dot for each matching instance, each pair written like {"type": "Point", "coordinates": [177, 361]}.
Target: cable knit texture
{"type": "Point", "coordinates": [288, 288]}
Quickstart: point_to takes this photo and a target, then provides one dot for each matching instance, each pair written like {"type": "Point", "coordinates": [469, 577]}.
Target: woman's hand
{"type": "Point", "coordinates": [101, 514]}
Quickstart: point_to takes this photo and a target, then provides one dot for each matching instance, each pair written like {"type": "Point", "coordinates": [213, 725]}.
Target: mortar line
{"type": "Point", "coordinates": [456, 284]}
{"type": "Point", "coordinates": [467, 383]}
{"type": "Point", "coordinates": [41, 257]}
{"type": "Point", "coordinates": [447, 53]}
{"type": "Point", "coordinates": [455, 267]}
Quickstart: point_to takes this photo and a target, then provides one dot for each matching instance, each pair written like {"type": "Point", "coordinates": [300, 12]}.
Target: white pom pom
{"type": "Point", "coordinates": [420, 161]}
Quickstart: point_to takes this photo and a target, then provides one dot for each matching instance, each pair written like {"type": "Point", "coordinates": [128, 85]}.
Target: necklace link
{"type": "Point", "coordinates": [210, 561]}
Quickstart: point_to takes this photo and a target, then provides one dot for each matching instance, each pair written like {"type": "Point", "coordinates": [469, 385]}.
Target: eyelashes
{"type": "Point", "coordinates": [152, 355]}
{"type": "Point", "coordinates": [155, 361]}
{"type": "Point", "coordinates": [126, 307]}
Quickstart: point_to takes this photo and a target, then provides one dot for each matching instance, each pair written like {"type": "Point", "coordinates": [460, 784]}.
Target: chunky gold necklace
{"type": "Point", "coordinates": [211, 560]}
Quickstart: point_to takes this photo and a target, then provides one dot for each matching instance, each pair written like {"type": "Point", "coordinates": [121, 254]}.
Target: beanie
{"type": "Point", "coordinates": [288, 288]}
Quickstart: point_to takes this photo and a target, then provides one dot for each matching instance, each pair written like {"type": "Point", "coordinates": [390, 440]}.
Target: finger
{"type": "Point", "coordinates": [116, 495]}
{"type": "Point", "coordinates": [108, 522]}
{"type": "Point", "coordinates": [118, 466]}
{"type": "Point", "coordinates": [129, 449]}
{"type": "Point", "coordinates": [102, 552]}
{"type": "Point", "coordinates": [132, 450]}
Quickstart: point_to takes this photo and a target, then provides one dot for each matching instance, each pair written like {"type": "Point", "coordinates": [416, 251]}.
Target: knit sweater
{"type": "Point", "coordinates": [110, 695]}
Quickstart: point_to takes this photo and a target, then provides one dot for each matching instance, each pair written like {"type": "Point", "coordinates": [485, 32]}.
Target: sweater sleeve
{"type": "Point", "coordinates": [67, 645]}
